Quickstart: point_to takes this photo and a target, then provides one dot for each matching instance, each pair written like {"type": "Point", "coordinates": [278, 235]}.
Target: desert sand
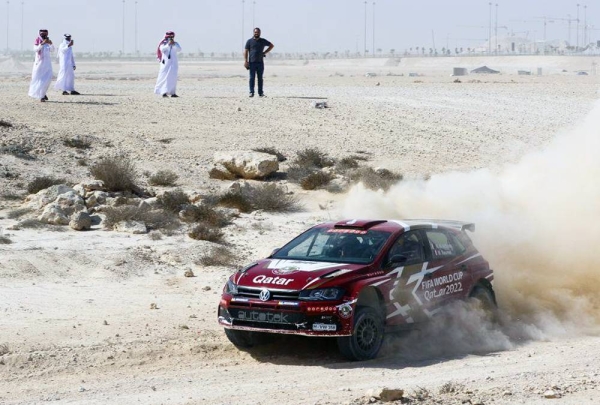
{"type": "Point", "coordinates": [102, 317]}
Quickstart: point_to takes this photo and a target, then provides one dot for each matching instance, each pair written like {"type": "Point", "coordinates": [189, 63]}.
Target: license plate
{"type": "Point", "coordinates": [324, 327]}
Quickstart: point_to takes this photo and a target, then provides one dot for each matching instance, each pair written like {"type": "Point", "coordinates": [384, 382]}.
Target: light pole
{"type": "Point", "coordinates": [373, 29]}
{"type": "Point", "coordinates": [22, 19]}
{"type": "Point", "coordinates": [243, 23]}
{"type": "Point", "coordinates": [123, 34]}
{"type": "Point", "coordinates": [577, 27]}
{"type": "Point", "coordinates": [490, 31]}
{"type": "Point", "coordinates": [7, 20]}
{"type": "Point", "coordinates": [496, 31]}
{"type": "Point", "coordinates": [135, 26]}
{"type": "Point", "coordinates": [585, 41]}
{"type": "Point", "coordinates": [365, 49]}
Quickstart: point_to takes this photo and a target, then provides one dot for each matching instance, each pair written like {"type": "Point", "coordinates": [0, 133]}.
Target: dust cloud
{"type": "Point", "coordinates": [536, 223]}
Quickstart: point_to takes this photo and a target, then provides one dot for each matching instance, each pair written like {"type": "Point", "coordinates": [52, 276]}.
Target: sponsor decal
{"type": "Point", "coordinates": [234, 299]}
{"type": "Point", "coordinates": [262, 279]}
{"type": "Point", "coordinates": [289, 303]}
{"type": "Point", "coordinates": [286, 270]}
{"type": "Point", "coordinates": [324, 327]}
{"type": "Point", "coordinates": [262, 316]}
{"type": "Point", "coordinates": [299, 265]}
{"type": "Point", "coordinates": [352, 231]}
{"type": "Point", "coordinates": [442, 286]}
{"type": "Point", "coordinates": [265, 295]}
{"type": "Point", "coordinates": [345, 310]}
{"type": "Point", "coordinates": [439, 281]}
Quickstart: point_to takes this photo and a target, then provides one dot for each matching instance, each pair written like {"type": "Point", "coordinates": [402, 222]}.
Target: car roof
{"type": "Point", "coordinates": [395, 225]}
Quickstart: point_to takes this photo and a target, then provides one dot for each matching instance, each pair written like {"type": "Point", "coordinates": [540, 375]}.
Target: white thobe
{"type": "Point", "coordinates": [66, 73]}
{"type": "Point", "coordinates": [169, 66]}
{"type": "Point", "coordinates": [41, 76]}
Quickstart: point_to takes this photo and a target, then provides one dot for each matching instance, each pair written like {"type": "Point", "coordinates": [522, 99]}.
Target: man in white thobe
{"type": "Point", "coordinates": [166, 84]}
{"type": "Point", "coordinates": [66, 73]}
{"type": "Point", "coordinates": [41, 76]}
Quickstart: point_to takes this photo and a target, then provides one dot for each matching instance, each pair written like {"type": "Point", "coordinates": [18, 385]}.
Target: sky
{"type": "Point", "coordinates": [222, 26]}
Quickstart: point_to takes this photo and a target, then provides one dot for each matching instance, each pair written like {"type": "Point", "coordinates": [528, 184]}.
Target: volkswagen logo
{"type": "Point", "coordinates": [265, 295]}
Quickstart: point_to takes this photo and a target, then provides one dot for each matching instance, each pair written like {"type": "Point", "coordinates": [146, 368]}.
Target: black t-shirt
{"type": "Point", "coordinates": [256, 48]}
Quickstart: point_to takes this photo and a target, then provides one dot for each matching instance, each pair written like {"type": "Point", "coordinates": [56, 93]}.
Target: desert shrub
{"type": "Point", "coordinates": [315, 180]}
{"type": "Point", "coordinates": [82, 162]}
{"type": "Point", "coordinates": [421, 394]}
{"type": "Point", "coordinates": [313, 157]}
{"type": "Point", "coordinates": [375, 179]}
{"type": "Point", "coordinates": [272, 198]}
{"type": "Point", "coordinates": [219, 174]}
{"type": "Point", "coordinates": [155, 235]}
{"type": "Point", "coordinates": [153, 219]}
{"type": "Point", "coordinates": [10, 196]}
{"type": "Point", "coordinates": [4, 349]}
{"type": "Point", "coordinates": [173, 201]}
{"type": "Point", "coordinates": [79, 142]}
{"type": "Point", "coordinates": [18, 151]}
{"type": "Point", "coordinates": [43, 182]}
{"type": "Point", "coordinates": [451, 388]}
{"type": "Point", "coordinates": [219, 256]}
{"type": "Point", "coordinates": [347, 163]}
{"type": "Point", "coordinates": [166, 141]}
{"type": "Point", "coordinates": [234, 199]}
{"type": "Point", "coordinates": [297, 173]}
{"type": "Point", "coordinates": [206, 232]}
{"type": "Point", "coordinates": [163, 178]}
{"type": "Point", "coordinates": [5, 124]}
{"type": "Point", "coordinates": [5, 240]}
{"type": "Point", "coordinates": [18, 213]}
{"type": "Point", "coordinates": [32, 224]}
{"type": "Point", "coordinates": [117, 172]}
{"type": "Point", "coordinates": [206, 214]}
{"type": "Point", "coordinates": [272, 151]}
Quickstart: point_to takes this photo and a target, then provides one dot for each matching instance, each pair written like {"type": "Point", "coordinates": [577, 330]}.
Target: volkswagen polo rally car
{"type": "Point", "coordinates": [354, 280]}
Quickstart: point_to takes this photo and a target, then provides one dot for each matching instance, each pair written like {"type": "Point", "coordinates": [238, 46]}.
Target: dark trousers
{"type": "Point", "coordinates": [256, 69]}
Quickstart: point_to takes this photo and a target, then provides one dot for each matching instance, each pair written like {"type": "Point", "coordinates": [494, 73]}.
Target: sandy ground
{"type": "Point", "coordinates": [76, 324]}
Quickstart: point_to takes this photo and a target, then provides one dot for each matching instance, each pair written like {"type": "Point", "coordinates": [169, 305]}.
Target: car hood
{"type": "Point", "coordinates": [293, 274]}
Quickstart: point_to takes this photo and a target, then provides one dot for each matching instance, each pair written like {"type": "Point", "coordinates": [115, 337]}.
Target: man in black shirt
{"type": "Point", "coordinates": [253, 59]}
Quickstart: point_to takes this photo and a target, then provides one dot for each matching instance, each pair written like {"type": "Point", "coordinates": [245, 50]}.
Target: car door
{"type": "Point", "coordinates": [405, 259]}
{"type": "Point", "coordinates": [446, 276]}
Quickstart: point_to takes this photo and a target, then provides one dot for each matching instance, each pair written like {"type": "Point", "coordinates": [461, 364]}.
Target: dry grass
{"type": "Point", "coordinates": [219, 256]}
{"type": "Point", "coordinates": [155, 235]}
{"type": "Point", "coordinates": [235, 200]}
{"type": "Point", "coordinates": [78, 142]}
{"type": "Point", "coordinates": [42, 183]}
{"type": "Point", "coordinates": [18, 213]}
{"type": "Point", "coordinates": [174, 201]}
{"type": "Point", "coordinates": [4, 349]}
{"type": "Point", "coordinates": [5, 240]}
{"type": "Point", "coordinates": [163, 178]}
{"type": "Point", "coordinates": [153, 219]}
{"type": "Point", "coordinates": [316, 180]}
{"type": "Point", "coordinates": [296, 173]}
{"type": "Point", "coordinates": [5, 124]}
{"type": "Point", "coordinates": [347, 163]}
{"type": "Point", "coordinates": [205, 214]}
{"type": "Point", "coordinates": [313, 158]}
{"type": "Point", "coordinates": [219, 174]}
{"type": "Point", "coordinates": [381, 179]}
{"type": "Point", "coordinates": [117, 172]}
{"type": "Point", "coordinates": [18, 151]}
{"type": "Point", "coordinates": [206, 232]}
{"type": "Point", "coordinates": [10, 197]}
{"type": "Point", "coordinates": [32, 224]}
{"type": "Point", "coordinates": [272, 151]}
{"type": "Point", "coordinates": [268, 197]}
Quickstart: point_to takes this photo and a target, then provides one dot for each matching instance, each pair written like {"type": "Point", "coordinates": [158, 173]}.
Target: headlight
{"type": "Point", "coordinates": [322, 294]}
{"type": "Point", "coordinates": [231, 287]}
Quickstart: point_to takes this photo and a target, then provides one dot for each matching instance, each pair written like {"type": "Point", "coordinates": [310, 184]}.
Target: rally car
{"type": "Point", "coordinates": [355, 279]}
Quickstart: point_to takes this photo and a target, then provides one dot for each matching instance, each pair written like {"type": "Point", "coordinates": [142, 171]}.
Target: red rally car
{"type": "Point", "coordinates": [355, 279]}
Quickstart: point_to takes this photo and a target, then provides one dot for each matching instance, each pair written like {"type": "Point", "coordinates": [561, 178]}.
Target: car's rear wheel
{"type": "Point", "coordinates": [485, 299]}
{"type": "Point", "coordinates": [367, 335]}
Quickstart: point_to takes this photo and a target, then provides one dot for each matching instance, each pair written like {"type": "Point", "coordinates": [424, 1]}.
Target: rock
{"type": "Point", "coordinates": [95, 198]}
{"type": "Point", "coordinates": [386, 394]}
{"type": "Point", "coordinates": [92, 185]}
{"type": "Point", "coordinates": [247, 164]}
{"type": "Point", "coordinates": [206, 288]}
{"type": "Point", "coordinates": [46, 196]}
{"type": "Point", "coordinates": [70, 202]}
{"type": "Point", "coordinates": [81, 221]}
{"type": "Point", "coordinates": [53, 214]}
{"type": "Point", "coordinates": [133, 227]}
{"type": "Point", "coordinates": [550, 394]}
{"type": "Point", "coordinates": [189, 273]}
{"type": "Point", "coordinates": [320, 104]}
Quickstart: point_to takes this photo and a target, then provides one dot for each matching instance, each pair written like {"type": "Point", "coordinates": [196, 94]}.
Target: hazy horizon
{"type": "Point", "coordinates": [292, 25]}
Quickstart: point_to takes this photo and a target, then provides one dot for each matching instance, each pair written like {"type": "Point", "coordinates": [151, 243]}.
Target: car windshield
{"type": "Point", "coordinates": [338, 245]}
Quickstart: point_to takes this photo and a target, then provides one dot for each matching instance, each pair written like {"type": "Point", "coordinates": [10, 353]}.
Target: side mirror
{"type": "Point", "coordinates": [274, 251]}
{"type": "Point", "coordinates": [397, 259]}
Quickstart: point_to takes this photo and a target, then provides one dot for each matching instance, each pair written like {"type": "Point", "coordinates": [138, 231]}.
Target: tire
{"type": "Point", "coordinates": [367, 336]}
{"type": "Point", "coordinates": [240, 338]}
{"type": "Point", "coordinates": [485, 300]}
{"type": "Point", "coordinates": [244, 339]}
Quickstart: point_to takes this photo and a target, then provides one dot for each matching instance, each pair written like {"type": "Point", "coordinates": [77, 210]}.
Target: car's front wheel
{"type": "Point", "coordinates": [240, 338]}
{"type": "Point", "coordinates": [367, 335]}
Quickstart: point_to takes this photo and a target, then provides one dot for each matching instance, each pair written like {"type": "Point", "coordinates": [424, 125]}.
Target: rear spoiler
{"type": "Point", "coordinates": [461, 225]}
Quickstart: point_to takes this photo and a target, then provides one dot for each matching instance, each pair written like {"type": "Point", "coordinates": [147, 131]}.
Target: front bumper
{"type": "Point", "coordinates": [290, 317]}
